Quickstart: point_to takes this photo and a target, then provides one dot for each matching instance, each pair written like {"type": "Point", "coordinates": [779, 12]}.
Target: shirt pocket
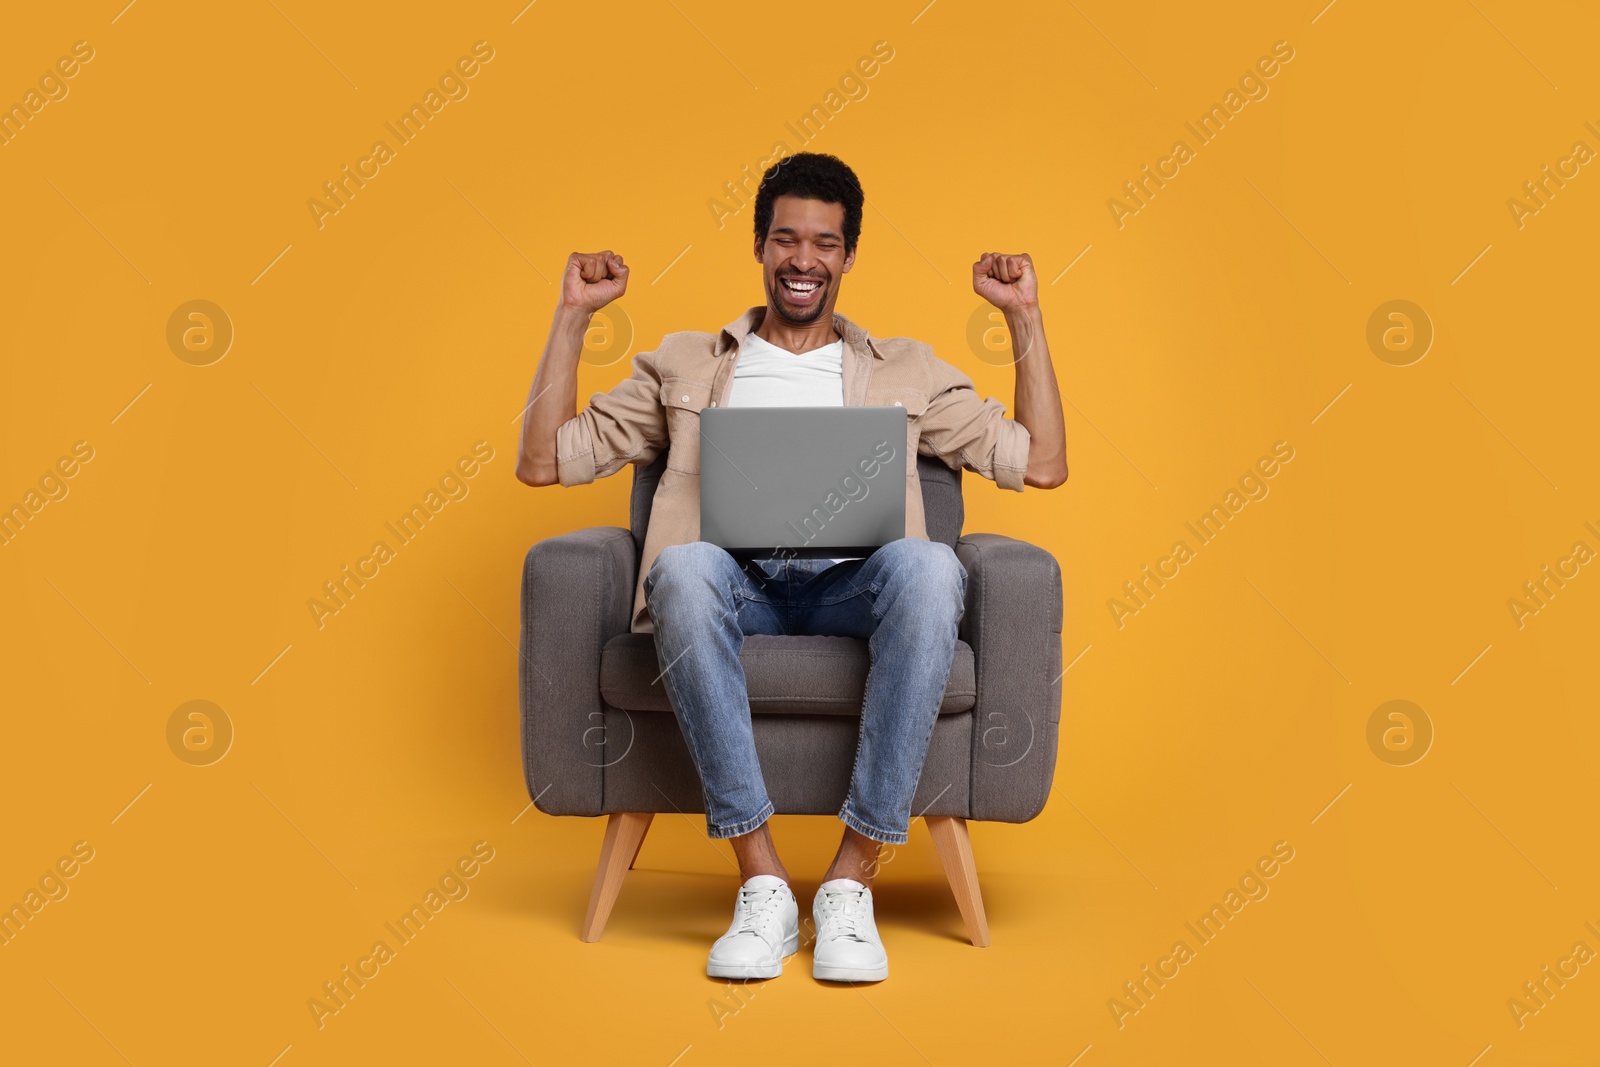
{"type": "Point", "coordinates": [682, 399]}
{"type": "Point", "coordinates": [915, 401]}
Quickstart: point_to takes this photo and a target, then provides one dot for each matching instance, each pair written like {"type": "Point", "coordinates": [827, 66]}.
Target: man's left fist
{"type": "Point", "coordinates": [1007, 282]}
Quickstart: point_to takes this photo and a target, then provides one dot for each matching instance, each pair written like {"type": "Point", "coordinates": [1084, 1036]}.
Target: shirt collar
{"type": "Point", "coordinates": [734, 333]}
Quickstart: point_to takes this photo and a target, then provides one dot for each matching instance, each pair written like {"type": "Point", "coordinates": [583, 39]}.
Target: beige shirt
{"type": "Point", "coordinates": [658, 408]}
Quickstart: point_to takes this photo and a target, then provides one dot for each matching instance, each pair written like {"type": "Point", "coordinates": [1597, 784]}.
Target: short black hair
{"type": "Point", "coordinates": [814, 176]}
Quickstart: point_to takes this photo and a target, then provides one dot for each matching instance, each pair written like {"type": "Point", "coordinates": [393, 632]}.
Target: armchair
{"type": "Point", "coordinates": [599, 736]}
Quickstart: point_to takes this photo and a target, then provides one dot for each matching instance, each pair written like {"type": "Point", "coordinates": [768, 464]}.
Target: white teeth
{"type": "Point", "coordinates": [801, 287]}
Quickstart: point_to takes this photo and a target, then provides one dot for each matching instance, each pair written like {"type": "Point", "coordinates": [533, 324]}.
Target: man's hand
{"type": "Point", "coordinates": [593, 280]}
{"type": "Point", "coordinates": [1007, 282]}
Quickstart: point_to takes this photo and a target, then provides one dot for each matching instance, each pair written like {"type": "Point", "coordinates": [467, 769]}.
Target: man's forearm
{"type": "Point", "coordinates": [1038, 400]}
{"type": "Point", "coordinates": [553, 397]}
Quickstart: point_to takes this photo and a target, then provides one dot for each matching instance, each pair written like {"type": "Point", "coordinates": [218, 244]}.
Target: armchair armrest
{"type": "Point", "coordinates": [577, 594]}
{"type": "Point", "coordinates": [1013, 623]}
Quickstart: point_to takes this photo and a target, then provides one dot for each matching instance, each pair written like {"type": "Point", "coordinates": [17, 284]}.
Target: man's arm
{"type": "Point", "coordinates": [592, 280]}
{"type": "Point", "coordinates": [1009, 283]}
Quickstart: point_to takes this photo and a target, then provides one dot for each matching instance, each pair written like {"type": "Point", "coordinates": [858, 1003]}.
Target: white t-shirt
{"type": "Point", "coordinates": [769, 376]}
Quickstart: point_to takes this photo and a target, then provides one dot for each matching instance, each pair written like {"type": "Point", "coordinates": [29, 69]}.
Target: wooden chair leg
{"type": "Point", "coordinates": [954, 846]}
{"type": "Point", "coordinates": [649, 817]}
{"type": "Point", "coordinates": [624, 833]}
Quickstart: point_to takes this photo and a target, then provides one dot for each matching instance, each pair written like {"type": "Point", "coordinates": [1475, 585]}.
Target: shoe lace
{"type": "Point", "coordinates": [842, 913]}
{"type": "Point", "coordinates": [759, 908]}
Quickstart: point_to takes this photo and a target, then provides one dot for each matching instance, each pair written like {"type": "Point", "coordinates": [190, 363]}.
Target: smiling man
{"type": "Point", "coordinates": [905, 599]}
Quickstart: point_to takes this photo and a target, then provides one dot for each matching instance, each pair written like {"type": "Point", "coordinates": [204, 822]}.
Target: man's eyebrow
{"type": "Point", "coordinates": [795, 233]}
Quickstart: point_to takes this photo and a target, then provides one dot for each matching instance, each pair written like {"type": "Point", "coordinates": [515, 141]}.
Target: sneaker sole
{"type": "Point", "coordinates": [825, 973]}
{"type": "Point", "coordinates": [755, 970]}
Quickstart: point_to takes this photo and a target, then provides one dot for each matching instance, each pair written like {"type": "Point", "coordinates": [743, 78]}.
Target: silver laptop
{"type": "Point", "coordinates": [802, 482]}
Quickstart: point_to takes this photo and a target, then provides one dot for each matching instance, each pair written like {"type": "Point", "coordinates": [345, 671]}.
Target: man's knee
{"type": "Point", "coordinates": [694, 565]}
{"type": "Point", "coordinates": [929, 567]}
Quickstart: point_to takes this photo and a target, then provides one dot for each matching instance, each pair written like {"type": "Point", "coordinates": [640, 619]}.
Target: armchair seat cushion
{"type": "Point", "coordinates": [784, 675]}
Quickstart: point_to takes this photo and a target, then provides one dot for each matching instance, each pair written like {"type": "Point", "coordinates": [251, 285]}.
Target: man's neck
{"type": "Point", "coordinates": [797, 339]}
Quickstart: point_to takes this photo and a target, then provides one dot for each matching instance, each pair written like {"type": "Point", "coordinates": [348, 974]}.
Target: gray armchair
{"type": "Point", "coordinates": [599, 736]}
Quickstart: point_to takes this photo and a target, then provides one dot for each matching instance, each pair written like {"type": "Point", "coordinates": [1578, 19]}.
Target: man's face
{"type": "Point", "coordinates": [803, 259]}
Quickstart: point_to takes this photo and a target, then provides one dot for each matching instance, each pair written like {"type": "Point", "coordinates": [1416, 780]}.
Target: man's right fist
{"type": "Point", "coordinates": [593, 280]}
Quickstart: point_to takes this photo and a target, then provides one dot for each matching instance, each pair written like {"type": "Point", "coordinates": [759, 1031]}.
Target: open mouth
{"type": "Point", "coordinates": [800, 290]}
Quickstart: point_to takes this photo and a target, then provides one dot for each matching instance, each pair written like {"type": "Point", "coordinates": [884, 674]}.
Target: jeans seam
{"type": "Point", "coordinates": [856, 823]}
{"type": "Point", "coordinates": [861, 725]}
{"type": "Point", "coordinates": [872, 589]}
{"type": "Point", "coordinates": [932, 722]}
{"type": "Point", "coordinates": [927, 744]}
{"type": "Point", "coordinates": [739, 829]}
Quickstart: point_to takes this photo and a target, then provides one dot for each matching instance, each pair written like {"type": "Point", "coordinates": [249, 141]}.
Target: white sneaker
{"type": "Point", "coordinates": [848, 947]}
{"type": "Point", "coordinates": [765, 930]}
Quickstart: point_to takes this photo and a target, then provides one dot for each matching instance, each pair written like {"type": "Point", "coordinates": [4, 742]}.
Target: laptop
{"type": "Point", "coordinates": [802, 482]}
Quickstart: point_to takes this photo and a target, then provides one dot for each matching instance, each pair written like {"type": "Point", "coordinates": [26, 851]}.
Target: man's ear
{"type": "Point", "coordinates": [759, 257]}
{"type": "Point", "coordinates": [850, 260]}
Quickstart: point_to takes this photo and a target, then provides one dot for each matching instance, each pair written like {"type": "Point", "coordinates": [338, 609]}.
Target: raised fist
{"type": "Point", "coordinates": [593, 280]}
{"type": "Point", "coordinates": [1007, 282]}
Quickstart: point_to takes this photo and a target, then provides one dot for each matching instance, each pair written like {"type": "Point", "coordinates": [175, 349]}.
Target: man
{"type": "Point", "coordinates": [906, 599]}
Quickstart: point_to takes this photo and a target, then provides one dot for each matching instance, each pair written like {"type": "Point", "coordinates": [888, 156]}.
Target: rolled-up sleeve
{"type": "Point", "coordinates": [974, 432]}
{"type": "Point", "coordinates": [625, 425]}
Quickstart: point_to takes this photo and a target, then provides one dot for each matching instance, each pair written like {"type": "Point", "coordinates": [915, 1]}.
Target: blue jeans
{"type": "Point", "coordinates": [905, 600]}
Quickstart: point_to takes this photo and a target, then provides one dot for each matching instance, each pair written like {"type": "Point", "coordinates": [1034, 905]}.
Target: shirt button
{"type": "Point", "coordinates": [685, 398]}
{"type": "Point", "coordinates": [898, 404]}
{"type": "Point", "coordinates": [713, 403]}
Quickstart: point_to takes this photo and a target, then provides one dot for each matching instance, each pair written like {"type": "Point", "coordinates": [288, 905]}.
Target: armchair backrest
{"type": "Point", "coordinates": [942, 506]}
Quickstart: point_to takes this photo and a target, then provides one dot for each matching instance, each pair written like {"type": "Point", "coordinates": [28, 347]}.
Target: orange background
{"type": "Point", "coordinates": [368, 355]}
